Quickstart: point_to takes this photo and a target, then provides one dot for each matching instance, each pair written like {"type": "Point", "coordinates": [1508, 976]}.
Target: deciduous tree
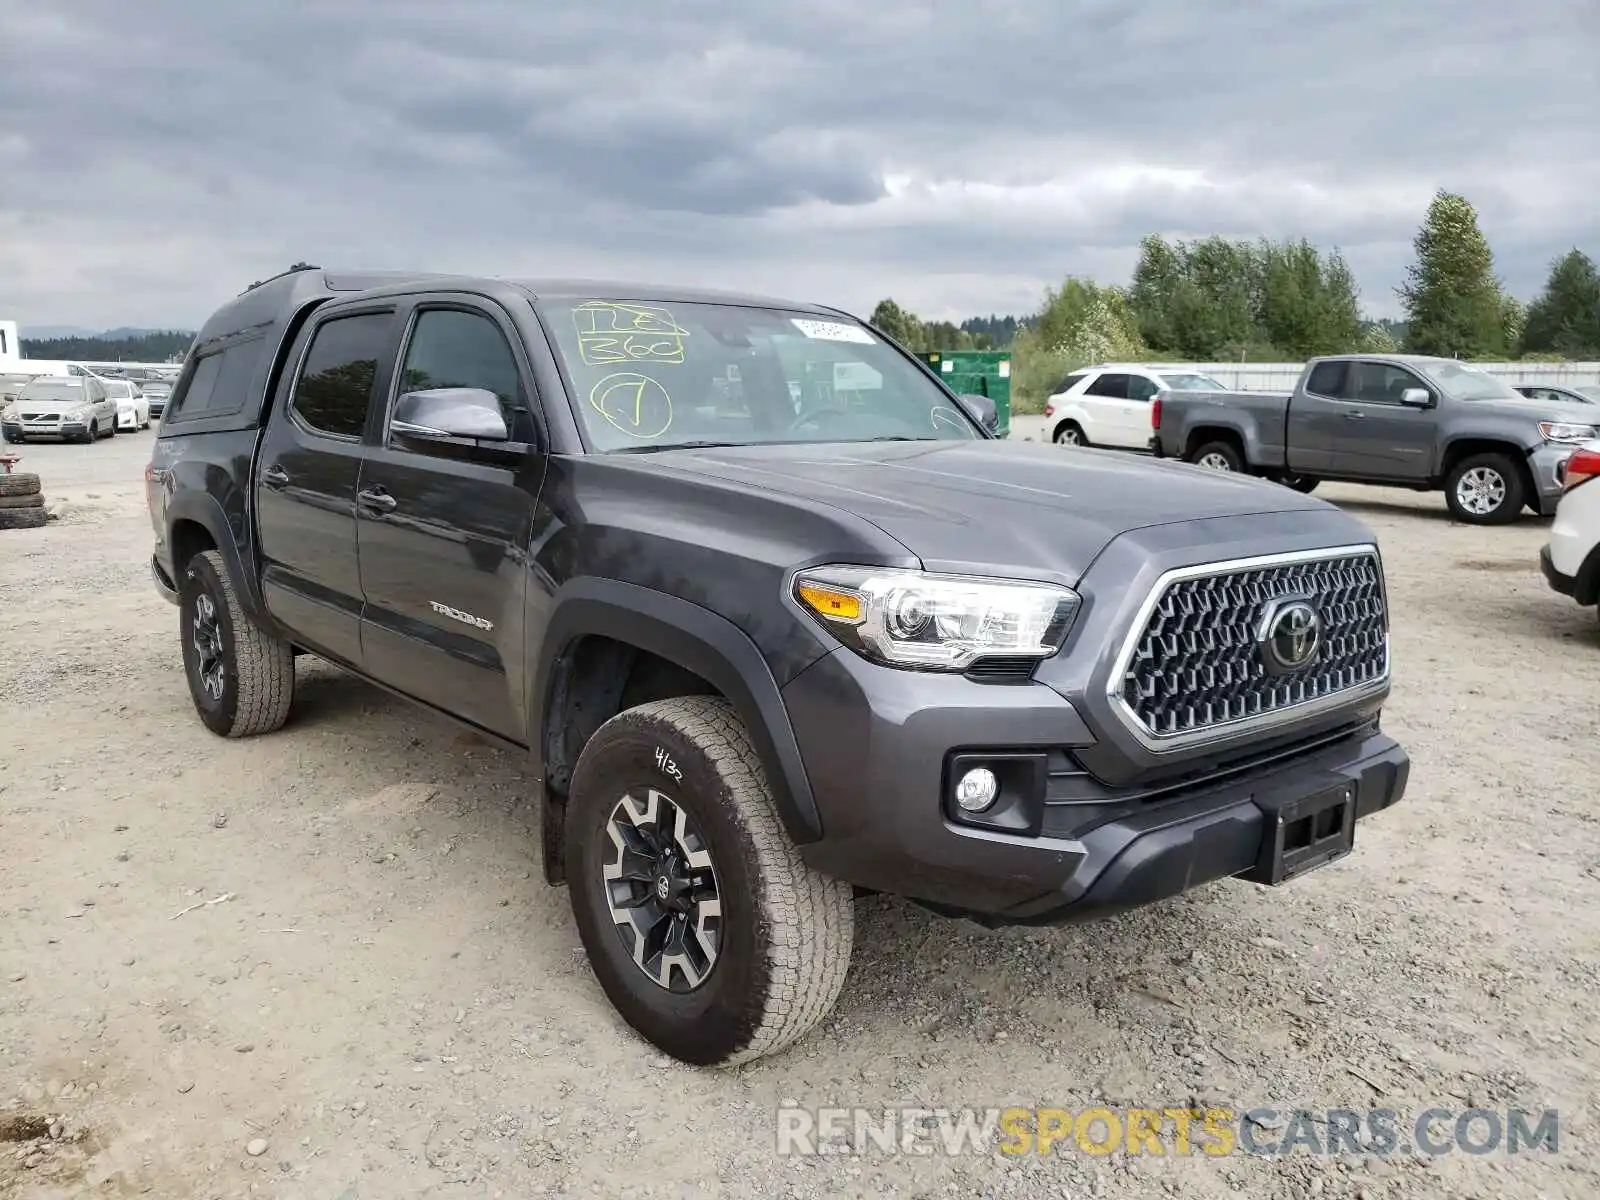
{"type": "Point", "coordinates": [1453, 302]}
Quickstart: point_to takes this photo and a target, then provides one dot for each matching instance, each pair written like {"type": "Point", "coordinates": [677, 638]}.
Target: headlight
{"type": "Point", "coordinates": [1565, 431]}
{"type": "Point", "coordinates": [936, 622]}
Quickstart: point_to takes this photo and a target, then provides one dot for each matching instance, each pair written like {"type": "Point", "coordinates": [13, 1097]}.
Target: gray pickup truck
{"type": "Point", "coordinates": [1391, 419]}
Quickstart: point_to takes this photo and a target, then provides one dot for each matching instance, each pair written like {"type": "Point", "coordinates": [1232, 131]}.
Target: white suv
{"type": "Point", "coordinates": [1571, 558]}
{"type": "Point", "coordinates": [1109, 405]}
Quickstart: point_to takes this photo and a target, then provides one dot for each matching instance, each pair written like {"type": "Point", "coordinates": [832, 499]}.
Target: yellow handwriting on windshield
{"type": "Point", "coordinates": [636, 404]}
{"type": "Point", "coordinates": [609, 332]}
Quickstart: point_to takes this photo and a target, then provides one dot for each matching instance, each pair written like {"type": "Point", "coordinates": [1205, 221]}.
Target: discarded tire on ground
{"type": "Point", "coordinates": [20, 484]}
{"type": "Point", "coordinates": [22, 518]}
{"type": "Point", "coordinates": [34, 501]}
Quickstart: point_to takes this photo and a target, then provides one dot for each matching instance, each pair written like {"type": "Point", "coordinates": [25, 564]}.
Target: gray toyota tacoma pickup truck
{"type": "Point", "coordinates": [774, 617]}
{"type": "Point", "coordinates": [1399, 420]}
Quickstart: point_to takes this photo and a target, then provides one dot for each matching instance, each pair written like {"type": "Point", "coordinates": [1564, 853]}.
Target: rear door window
{"type": "Point", "coordinates": [1327, 379]}
{"type": "Point", "coordinates": [1111, 387]}
{"type": "Point", "coordinates": [334, 390]}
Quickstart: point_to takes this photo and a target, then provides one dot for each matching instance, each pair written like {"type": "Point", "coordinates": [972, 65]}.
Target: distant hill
{"type": "Point", "coordinates": [46, 332]}
{"type": "Point", "coordinates": [113, 345]}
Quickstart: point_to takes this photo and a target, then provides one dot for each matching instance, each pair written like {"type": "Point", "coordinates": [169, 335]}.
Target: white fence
{"type": "Point", "coordinates": [1281, 377]}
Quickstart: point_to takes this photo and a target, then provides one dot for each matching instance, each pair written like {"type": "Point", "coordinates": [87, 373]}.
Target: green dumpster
{"type": "Point", "coordinates": [977, 373]}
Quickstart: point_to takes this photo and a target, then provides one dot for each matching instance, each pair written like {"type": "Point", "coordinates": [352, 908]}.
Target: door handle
{"type": "Point", "coordinates": [379, 499]}
{"type": "Point", "coordinates": [275, 476]}
{"type": "Point", "coordinates": [1356, 415]}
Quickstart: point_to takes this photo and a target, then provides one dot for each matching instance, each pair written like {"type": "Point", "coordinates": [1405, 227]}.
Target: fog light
{"type": "Point", "coordinates": [976, 790]}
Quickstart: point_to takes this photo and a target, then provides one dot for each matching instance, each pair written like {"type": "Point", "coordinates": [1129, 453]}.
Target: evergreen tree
{"type": "Point", "coordinates": [1565, 319]}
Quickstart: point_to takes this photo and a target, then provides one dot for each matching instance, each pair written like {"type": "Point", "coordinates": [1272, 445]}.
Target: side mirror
{"type": "Point", "coordinates": [1416, 398]}
{"type": "Point", "coordinates": [435, 413]}
{"type": "Point", "coordinates": [982, 410]}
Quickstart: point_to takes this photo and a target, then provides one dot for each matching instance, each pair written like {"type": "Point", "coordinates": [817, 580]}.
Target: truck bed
{"type": "Point", "coordinates": [1258, 420]}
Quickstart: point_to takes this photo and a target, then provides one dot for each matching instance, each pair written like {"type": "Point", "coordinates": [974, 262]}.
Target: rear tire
{"type": "Point", "coordinates": [241, 678]}
{"type": "Point", "coordinates": [1070, 433]}
{"type": "Point", "coordinates": [1218, 456]}
{"type": "Point", "coordinates": [1485, 489]}
{"type": "Point", "coordinates": [1304, 484]}
{"type": "Point", "coordinates": [756, 944]}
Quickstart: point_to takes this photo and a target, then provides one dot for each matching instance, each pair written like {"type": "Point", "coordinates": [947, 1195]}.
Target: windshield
{"type": "Point", "coordinates": [651, 376]}
{"type": "Point", "coordinates": [1192, 383]}
{"type": "Point", "coordinates": [53, 389]}
{"type": "Point", "coordinates": [1462, 382]}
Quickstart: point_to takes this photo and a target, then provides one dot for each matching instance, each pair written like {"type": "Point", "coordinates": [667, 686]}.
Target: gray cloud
{"type": "Point", "coordinates": [960, 160]}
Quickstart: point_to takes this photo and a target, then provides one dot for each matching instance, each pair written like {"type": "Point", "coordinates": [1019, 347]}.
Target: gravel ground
{"type": "Point", "coordinates": [323, 963]}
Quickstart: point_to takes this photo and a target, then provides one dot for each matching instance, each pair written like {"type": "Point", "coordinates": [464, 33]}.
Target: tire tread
{"type": "Point", "coordinates": [809, 917]}
{"type": "Point", "coordinates": [20, 483]}
{"type": "Point", "coordinates": [263, 665]}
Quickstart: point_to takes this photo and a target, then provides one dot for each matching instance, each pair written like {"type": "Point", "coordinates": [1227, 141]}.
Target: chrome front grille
{"type": "Point", "coordinates": [1198, 665]}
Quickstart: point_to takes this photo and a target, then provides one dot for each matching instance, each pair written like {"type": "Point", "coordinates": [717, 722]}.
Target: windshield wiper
{"type": "Point", "coordinates": [652, 449]}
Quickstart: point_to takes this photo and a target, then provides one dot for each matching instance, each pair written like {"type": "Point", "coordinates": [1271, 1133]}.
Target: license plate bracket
{"type": "Point", "coordinates": [1304, 832]}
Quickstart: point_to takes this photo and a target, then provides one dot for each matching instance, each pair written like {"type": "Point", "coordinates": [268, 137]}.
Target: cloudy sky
{"type": "Point", "coordinates": [157, 157]}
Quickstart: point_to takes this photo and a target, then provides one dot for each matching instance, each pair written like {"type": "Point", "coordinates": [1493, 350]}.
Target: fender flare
{"type": "Point", "coordinates": [1200, 431]}
{"type": "Point", "coordinates": [206, 510]}
{"type": "Point", "coordinates": [696, 639]}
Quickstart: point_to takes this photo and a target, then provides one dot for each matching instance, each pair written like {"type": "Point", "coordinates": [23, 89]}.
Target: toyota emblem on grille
{"type": "Point", "coordinates": [1289, 636]}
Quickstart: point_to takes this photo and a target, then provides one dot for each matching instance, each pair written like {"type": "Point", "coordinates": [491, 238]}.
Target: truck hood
{"type": "Point", "coordinates": [1538, 410]}
{"type": "Point", "coordinates": [1027, 509]}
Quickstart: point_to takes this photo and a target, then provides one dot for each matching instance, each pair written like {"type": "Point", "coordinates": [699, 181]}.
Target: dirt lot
{"type": "Point", "coordinates": [334, 941]}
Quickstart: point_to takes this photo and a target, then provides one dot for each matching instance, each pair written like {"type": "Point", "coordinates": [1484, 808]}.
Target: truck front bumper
{"type": "Point", "coordinates": [1548, 466]}
{"type": "Point", "coordinates": [164, 585]}
{"type": "Point", "coordinates": [883, 750]}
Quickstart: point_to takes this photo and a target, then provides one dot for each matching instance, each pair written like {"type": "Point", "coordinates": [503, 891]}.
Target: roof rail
{"type": "Point", "coordinates": [294, 270]}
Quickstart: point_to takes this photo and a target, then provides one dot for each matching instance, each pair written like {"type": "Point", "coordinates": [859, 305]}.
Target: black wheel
{"type": "Point", "coordinates": [1300, 483]}
{"type": "Point", "coordinates": [33, 501]}
{"type": "Point", "coordinates": [240, 677]}
{"type": "Point", "coordinates": [705, 929]}
{"type": "Point", "coordinates": [1068, 433]}
{"type": "Point", "coordinates": [23, 518]}
{"type": "Point", "coordinates": [111, 428]}
{"type": "Point", "coordinates": [22, 483]}
{"type": "Point", "coordinates": [91, 434]}
{"type": "Point", "coordinates": [1485, 489]}
{"type": "Point", "coordinates": [1218, 456]}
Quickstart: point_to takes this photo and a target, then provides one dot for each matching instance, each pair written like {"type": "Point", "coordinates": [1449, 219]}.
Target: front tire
{"type": "Point", "coordinates": [707, 932]}
{"type": "Point", "coordinates": [241, 678]}
{"type": "Point", "coordinates": [1304, 484]}
{"type": "Point", "coordinates": [1485, 489]}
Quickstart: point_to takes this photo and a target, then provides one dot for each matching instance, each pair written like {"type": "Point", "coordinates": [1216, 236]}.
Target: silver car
{"type": "Point", "coordinates": [75, 408]}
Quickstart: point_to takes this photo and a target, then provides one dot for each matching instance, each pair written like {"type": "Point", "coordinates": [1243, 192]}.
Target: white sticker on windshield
{"type": "Point", "coordinates": [833, 331]}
